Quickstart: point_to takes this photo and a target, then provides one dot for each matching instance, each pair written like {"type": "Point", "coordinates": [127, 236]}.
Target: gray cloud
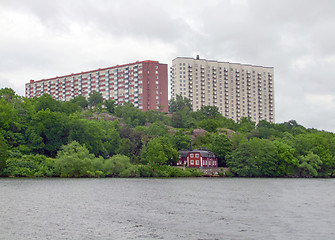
{"type": "Point", "coordinates": [41, 39]}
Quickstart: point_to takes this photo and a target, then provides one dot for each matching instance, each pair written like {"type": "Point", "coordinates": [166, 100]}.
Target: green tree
{"type": "Point", "coordinates": [3, 153]}
{"type": "Point", "coordinates": [157, 116]}
{"type": "Point", "coordinates": [227, 123]}
{"type": "Point", "coordinates": [179, 104]}
{"type": "Point", "coordinates": [80, 100]}
{"type": "Point", "coordinates": [287, 162]}
{"type": "Point", "coordinates": [74, 160]}
{"type": "Point", "coordinates": [95, 99]}
{"type": "Point", "coordinates": [130, 114]}
{"type": "Point", "coordinates": [181, 140]}
{"type": "Point", "coordinates": [30, 166]}
{"type": "Point", "coordinates": [100, 137]}
{"type": "Point", "coordinates": [120, 166]}
{"type": "Point", "coordinates": [70, 107]}
{"type": "Point", "coordinates": [47, 102]}
{"type": "Point", "coordinates": [319, 143]}
{"type": "Point", "coordinates": [131, 143]}
{"type": "Point", "coordinates": [8, 116]}
{"type": "Point", "coordinates": [309, 165]}
{"type": "Point", "coordinates": [110, 105]}
{"type": "Point", "coordinates": [202, 141]}
{"type": "Point", "coordinates": [183, 119]}
{"type": "Point", "coordinates": [246, 125]}
{"type": "Point", "coordinates": [47, 132]}
{"type": "Point", "coordinates": [209, 125]}
{"type": "Point", "coordinates": [158, 129]}
{"type": "Point", "coordinates": [222, 147]}
{"type": "Point", "coordinates": [254, 158]}
{"type": "Point", "coordinates": [208, 112]}
{"type": "Point", "coordinates": [7, 94]}
{"type": "Point", "coordinates": [159, 151]}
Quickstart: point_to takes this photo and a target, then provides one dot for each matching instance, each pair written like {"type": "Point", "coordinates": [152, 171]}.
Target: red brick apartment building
{"type": "Point", "coordinates": [144, 84]}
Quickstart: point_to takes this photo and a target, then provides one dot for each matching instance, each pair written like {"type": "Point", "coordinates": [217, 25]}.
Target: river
{"type": "Point", "coordinates": [181, 208]}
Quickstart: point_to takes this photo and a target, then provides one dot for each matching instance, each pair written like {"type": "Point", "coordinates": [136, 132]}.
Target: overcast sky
{"type": "Point", "coordinates": [42, 39]}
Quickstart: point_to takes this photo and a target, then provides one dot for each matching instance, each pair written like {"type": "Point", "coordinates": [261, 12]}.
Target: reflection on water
{"type": "Point", "coordinates": [197, 208]}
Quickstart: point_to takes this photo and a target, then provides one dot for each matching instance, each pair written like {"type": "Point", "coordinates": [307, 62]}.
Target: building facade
{"type": "Point", "coordinates": [237, 90]}
{"type": "Point", "coordinates": [142, 83]}
{"type": "Point", "coordinates": [197, 159]}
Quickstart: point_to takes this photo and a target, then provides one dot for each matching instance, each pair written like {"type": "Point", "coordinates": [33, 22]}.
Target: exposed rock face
{"type": "Point", "coordinates": [198, 132]}
{"type": "Point", "coordinates": [226, 131]}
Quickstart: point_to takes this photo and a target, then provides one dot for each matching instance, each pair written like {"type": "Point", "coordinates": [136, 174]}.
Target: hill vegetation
{"type": "Point", "coordinates": [42, 137]}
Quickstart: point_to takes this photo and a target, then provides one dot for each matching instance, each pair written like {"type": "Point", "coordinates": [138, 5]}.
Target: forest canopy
{"type": "Point", "coordinates": [96, 138]}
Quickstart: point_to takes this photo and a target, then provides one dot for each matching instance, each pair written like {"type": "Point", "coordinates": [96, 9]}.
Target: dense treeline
{"type": "Point", "coordinates": [96, 138]}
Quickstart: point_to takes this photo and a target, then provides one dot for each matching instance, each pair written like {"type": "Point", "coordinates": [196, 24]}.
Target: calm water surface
{"type": "Point", "coordinates": [197, 208]}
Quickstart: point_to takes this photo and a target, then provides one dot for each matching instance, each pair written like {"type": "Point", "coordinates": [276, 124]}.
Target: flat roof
{"type": "Point", "coordinates": [208, 60]}
{"type": "Point", "coordinates": [99, 69]}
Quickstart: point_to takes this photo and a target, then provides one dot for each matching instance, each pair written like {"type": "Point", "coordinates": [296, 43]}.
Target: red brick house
{"type": "Point", "coordinates": [197, 159]}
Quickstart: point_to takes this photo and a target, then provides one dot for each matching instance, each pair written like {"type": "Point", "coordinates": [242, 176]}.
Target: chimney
{"type": "Point", "coordinates": [198, 57]}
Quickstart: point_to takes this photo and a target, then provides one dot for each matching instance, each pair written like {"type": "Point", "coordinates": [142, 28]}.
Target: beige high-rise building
{"type": "Point", "coordinates": [237, 90]}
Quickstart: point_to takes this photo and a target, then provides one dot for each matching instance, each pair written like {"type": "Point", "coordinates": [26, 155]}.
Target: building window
{"type": "Point", "coordinates": [197, 155]}
{"type": "Point", "coordinates": [197, 162]}
{"type": "Point", "coordinates": [192, 162]}
{"type": "Point", "coordinates": [192, 155]}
